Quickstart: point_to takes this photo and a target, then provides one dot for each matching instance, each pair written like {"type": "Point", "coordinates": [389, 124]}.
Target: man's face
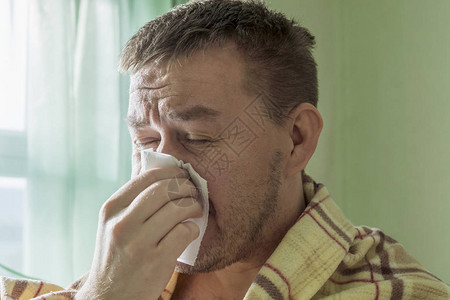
{"type": "Point", "coordinates": [199, 111]}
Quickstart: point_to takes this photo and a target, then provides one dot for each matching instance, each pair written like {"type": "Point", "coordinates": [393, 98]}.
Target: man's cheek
{"type": "Point", "coordinates": [213, 162]}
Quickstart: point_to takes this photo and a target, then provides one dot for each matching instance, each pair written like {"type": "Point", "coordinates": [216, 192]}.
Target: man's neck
{"type": "Point", "coordinates": [231, 282]}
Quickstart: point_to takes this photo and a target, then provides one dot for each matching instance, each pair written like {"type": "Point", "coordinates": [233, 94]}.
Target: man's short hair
{"type": "Point", "coordinates": [277, 51]}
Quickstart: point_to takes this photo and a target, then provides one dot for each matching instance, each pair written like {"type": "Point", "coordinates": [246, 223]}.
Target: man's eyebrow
{"type": "Point", "coordinates": [198, 112]}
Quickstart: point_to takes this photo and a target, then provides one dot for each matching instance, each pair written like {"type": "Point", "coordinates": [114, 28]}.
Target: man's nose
{"type": "Point", "coordinates": [166, 146]}
{"type": "Point", "coordinates": [171, 147]}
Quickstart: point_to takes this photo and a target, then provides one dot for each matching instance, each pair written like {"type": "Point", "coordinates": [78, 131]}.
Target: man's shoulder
{"type": "Point", "coordinates": [376, 266]}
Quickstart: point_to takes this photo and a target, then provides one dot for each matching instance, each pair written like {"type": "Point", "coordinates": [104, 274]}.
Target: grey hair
{"type": "Point", "coordinates": [277, 51]}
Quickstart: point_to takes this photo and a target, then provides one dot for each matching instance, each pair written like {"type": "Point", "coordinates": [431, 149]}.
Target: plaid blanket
{"type": "Point", "coordinates": [323, 256]}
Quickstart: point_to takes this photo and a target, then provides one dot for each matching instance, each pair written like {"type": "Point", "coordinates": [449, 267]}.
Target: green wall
{"type": "Point", "coordinates": [384, 77]}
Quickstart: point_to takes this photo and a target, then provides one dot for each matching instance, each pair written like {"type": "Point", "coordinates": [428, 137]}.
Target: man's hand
{"type": "Point", "coordinates": [140, 235]}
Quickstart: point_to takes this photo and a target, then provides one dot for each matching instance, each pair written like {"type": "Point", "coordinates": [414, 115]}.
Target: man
{"type": "Point", "coordinates": [231, 88]}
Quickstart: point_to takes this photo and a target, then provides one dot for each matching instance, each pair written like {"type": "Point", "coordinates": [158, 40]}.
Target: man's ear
{"type": "Point", "coordinates": [305, 124]}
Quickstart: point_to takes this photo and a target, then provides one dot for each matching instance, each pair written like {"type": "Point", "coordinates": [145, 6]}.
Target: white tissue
{"type": "Point", "coordinates": [150, 160]}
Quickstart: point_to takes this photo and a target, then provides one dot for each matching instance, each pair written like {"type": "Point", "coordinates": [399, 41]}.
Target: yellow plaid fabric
{"type": "Point", "coordinates": [14, 289]}
{"type": "Point", "coordinates": [323, 256]}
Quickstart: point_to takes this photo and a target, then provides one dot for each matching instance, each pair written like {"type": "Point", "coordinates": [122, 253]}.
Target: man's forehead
{"type": "Point", "coordinates": [201, 87]}
{"type": "Point", "coordinates": [222, 61]}
{"type": "Point", "coordinates": [149, 77]}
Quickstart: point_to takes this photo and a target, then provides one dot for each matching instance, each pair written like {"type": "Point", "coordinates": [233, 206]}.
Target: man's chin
{"type": "Point", "coordinates": [200, 266]}
{"type": "Point", "coordinates": [188, 269]}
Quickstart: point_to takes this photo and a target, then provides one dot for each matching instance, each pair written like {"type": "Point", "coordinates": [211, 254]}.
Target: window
{"type": "Point", "coordinates": [13, 27]}
{"type": "Point", "coordinates": [12, 196]}
{"type": "Point", "coordinates": [12, 59]}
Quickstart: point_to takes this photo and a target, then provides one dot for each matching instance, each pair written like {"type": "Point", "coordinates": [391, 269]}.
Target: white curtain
{"type": "Point", "coordinates": [78, 144]}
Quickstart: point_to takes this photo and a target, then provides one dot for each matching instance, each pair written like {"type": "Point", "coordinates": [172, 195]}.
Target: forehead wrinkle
{"type": "Point", "coordinates": [145, 98]}
{"type": "Point", "coordinates": [149, 78]}
{"type": "Point", "coordinates": [136, 87]}
{"type": "Point", "coordinates": [138, 114]}
{"type": "Point", "coordinates": [147, 108]}
{"type": "Point", "coordinates": [136, 123]}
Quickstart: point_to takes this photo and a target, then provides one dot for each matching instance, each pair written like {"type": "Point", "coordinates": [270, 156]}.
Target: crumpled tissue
{"type": "Point", "coordinates": [150, 160]}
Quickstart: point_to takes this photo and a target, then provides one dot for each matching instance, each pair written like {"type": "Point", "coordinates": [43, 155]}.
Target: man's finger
{"type": "Point", "coordinates": [176, 241]}
{"type": "Point", "coordinates": [179, 190]}
{"type": "Point", "coordinates": [129, 191]}
{"type": "Point", "coordinates": [167, 218]}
